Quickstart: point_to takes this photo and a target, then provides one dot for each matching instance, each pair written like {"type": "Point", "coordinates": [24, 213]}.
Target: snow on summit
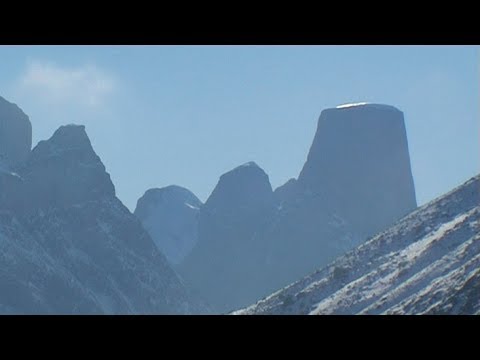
{"type": "Point", "coordinates": [361, 105]}
{"type": "Point", "coordinates": [351, 105]}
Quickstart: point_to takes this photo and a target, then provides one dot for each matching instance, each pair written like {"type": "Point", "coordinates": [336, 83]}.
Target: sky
{"type": "Point", "coordinates": [184, 115]}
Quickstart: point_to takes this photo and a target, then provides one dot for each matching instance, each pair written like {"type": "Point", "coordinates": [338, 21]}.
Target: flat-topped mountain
{"type": "Point", "coordinates": [357, 181]}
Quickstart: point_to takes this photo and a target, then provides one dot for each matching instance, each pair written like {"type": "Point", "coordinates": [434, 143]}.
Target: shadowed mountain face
{"type": "Point", "coordinates": [359, 161]}
{"type": "Point", "coordinates": [170, 216]}
{"type": "Point", "coordinates": [15, 134]}
{"type": "Point", "coordinates": [69, 246]}
{"type": "Point", "coordinates": [64, 171]}
{"type": "Point", "coordinates": [225, 265]}
{"type": "Point", "coordinates": [427, 263]}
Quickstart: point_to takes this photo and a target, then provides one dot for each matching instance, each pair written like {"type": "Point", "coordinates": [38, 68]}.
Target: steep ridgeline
{"type": "Point", "coordinates": [225, 266]}
{"type": "Point", "coordinates": [427, 263]}
{"type": "Point", "coordinates": [69, 246]}
{"type": "Point", "coordinates": [356, 182]}
{"type": "Point", "coordinates": [15, 135]}
{"type": "Point", "coordinates": [170, 216]}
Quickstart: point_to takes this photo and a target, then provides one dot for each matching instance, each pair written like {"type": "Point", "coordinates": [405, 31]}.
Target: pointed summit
{"type": "Point", "coordinates": [65, 170]}
{"type": "Point", "coordinates": [244, 188]}
{"type": "Point", "coordinates": [71, 137]}
{"type": "Point", "coordinates": [226, 262]}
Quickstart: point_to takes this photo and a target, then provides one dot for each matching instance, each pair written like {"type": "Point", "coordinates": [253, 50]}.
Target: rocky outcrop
{"type": "Point", "coordinates": [64, 171]}
{"type": "Point", "coordinates": [285, 192]}
{"type": "Point", "coordinates": [225, 265]}
{"type": "Point", "coordinates": [15, 134]}
{"type": "Point", "coordinates": [170, 216]}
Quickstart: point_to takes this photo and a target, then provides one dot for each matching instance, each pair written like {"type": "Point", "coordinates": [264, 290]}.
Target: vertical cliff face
{"type": "Point", "coordinates": [15, 134]}
{"type": "Point", "coordinates": [356, 182]}
{"type": "Point", "coordinates": [359, 161]}
{"type": "Point", "coordinates": [226, 263]}
{"type": "Point", "coordinates": [170, 216]}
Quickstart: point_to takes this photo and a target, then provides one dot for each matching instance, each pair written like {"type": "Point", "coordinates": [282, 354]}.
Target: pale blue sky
{"type": "Point", "coordinates": [161, 115]}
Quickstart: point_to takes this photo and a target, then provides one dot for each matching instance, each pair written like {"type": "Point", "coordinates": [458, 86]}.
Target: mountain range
{"type": "Point", "coordinates": [347, 226]}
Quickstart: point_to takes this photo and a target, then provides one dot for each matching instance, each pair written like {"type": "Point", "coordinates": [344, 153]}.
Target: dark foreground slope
{"type": "Point", "coordinates": [427, 263]}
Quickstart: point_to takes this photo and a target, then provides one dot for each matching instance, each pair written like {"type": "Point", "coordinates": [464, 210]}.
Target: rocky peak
{"type": "Point", "coordinates": [65, 170]}
{"type": "Point", "coordinates": [243, 189]}
{"type": "Point", "coordinates": [68, 137]}
{"type": "Point", "coordinates": [15, 134]}
{"type": "Point", "coordinates": [172, 194]}
{"type": "Point", "coordinates": [226, 263]}
{"type": "Point", "coordinates": [170, 216]}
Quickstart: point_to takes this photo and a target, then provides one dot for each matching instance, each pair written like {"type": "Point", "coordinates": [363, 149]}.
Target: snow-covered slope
{"type": "Point", "coordinates": [427, 263]}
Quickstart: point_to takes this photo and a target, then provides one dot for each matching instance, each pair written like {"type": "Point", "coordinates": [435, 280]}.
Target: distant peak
{"type": "Point", "coordinates": [70, 128]}
{"type": "Point", "coordinates": [166, 196]}
{"type": "Point", "coordinates": [171, 189]}
{"type": "Point", "coordinates": [71, 136]}
{"type": "Point", "coordinates": [67, 138]}
{"type": "Point", "coordinates": [250, 167]}
{"type": "Point", "coordinates": [250, 164]}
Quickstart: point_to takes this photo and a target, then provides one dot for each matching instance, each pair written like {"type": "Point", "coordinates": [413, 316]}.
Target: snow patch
{"type": "Point", "coordinates": [191, 206]}
{"type": "Point", "coordinates": [351, 105]}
